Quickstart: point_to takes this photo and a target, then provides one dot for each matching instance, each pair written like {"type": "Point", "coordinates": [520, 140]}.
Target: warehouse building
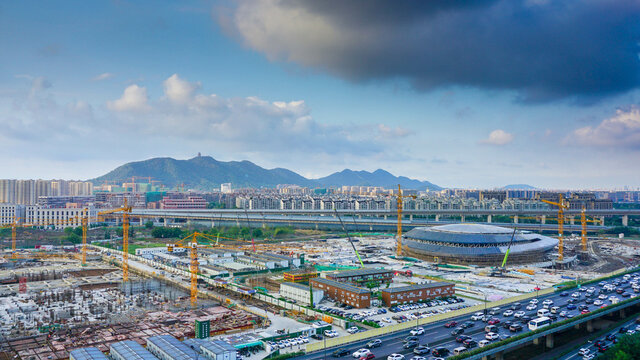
{"type": "Point", "coordinates": [344, 293]}
{"type": "Point", "coordinates": [166, 347]}
{"type": "Point", "coordinates": [417, 292]}
{"type": "Point", "coordinates": [129, 350]}
{"type": "Point", "coordinates": [300, 293]}
{"type": "Point", "coordinates": [215, 350]}
{"type": "Point", "coordinates": [89, 353]}
{"type": "Point", "coordinates": [362, 276]}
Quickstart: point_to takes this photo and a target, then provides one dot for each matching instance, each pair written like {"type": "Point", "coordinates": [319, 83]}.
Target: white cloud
{"type": "Point", "coordinates": [621, 130]}
{"type": "Point", "coordinates": [498, 137]}
{"type": "Point", "coordinates": [389, 132]}
{"type": "Point", "coordinates": [178, 90]}
{"type": "Point", "coordinates": [103, 76]}
{"type": "Point", "coordinates": [134, 98]}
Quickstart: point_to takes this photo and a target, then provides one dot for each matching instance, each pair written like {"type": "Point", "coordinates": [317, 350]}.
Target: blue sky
{"type": "Point", "coordinates": [87, 86]}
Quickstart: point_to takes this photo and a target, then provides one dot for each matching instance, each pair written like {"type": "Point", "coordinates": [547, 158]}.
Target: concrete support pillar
{"type": "Point", "coordinates": [437, 217]}
{"type": "Point", "coordinates": [543, 219]}
{"type": "Point", "coordinates": [489, 218]}
{"type": "Point", "coordinates": [576, 326]}
{"type": "Point", "coordinates": [515, 219]}
{"type": "Point", "coordinates": [462, 218]}
{"type": "Point", "coordinates": [264, 225]}
{"type": "Point", "coordinates": [316, 226]}
{"type": "Point", "coordinates": [166, 222]}
{"type": "Point", "coordinates": [549, 341]}
{"type": "Point", "coordinates": [602, 220]}
{"type": "Point", "coordinates": [213, 224]}
{"type": "Point", "coordinates": [590, 326]}
{"type": "Point", "coordinates": [500, 355]}
{"type": "Point", "coordinates": [385, 217]}
{"type": "Point", "coordinates": [411, 217]}
{"type": "Point", "coordinates": [141, 223]}
{"type": "Point", "coordinates": [370, 228]}
{"type": "Point", "coordinates": [623, 314]}
{"type": "Point", "coordinates": [536, 341]}
{"type": "Point", "coordinates": [572, 220]}
{"type": "Point", "coordinates": [625, 220]}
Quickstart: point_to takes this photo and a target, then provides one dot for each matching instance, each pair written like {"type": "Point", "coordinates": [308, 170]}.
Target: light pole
{"type": "Point", "coordinates": [325, 346]}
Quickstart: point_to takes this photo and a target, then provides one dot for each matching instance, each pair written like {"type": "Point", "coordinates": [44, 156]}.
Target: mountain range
{"type": "Point", "coordinates": [207, 173]}
{"type": "Point", "coordinates": [519, 187]}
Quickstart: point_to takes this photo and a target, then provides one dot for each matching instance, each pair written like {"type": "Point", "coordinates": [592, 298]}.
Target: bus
{"type": "Point", "coordinates": [538, 323]}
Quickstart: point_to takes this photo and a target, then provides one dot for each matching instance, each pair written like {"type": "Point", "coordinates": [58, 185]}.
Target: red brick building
{"type": "Point", "coordinates": [414, 293]}
{"type": "Point", "coordinates": [344, 293]}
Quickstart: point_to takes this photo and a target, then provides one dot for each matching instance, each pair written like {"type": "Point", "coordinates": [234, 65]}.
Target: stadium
{"type": "Point", "coordinates": [475, 244]}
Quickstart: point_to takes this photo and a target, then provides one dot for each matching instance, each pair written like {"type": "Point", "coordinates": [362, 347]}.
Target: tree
{"type": "Point", "coordinates": [148, 225]}
{"type": "Point", "coordinates": [73, 238]}
{"type": "Point", "coordinates": [627, 348]}
{"type": "Point", "coordinates": [131, 231]}
{"type": "Point", "coordinates": [107, 234]}
{"type": "Point", "coordinates": [257, 233]}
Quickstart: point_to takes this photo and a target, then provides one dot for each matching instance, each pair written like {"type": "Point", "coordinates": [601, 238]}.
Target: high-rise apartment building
{"type": "Point", "coordinates": [7, 190]}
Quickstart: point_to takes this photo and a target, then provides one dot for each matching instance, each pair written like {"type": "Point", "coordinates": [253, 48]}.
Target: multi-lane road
{"type": "Point", "coordinates": [437, 335]}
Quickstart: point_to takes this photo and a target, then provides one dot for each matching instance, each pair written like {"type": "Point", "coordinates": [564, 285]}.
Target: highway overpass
{"type": "Point", "coordinates": [369, 220]}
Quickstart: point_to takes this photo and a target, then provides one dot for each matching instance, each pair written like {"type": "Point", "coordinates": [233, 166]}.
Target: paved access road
{"type": "Point", "coordinates": [593, 348]}
{"type": "Point", "coordinates": [438, 335]}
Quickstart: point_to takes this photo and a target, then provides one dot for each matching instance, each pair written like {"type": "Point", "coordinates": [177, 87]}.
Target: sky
{"type": "Point", "coordinates": [463, 94]}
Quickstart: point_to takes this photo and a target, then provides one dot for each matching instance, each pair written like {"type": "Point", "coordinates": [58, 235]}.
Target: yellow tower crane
{"type": "Point", "coordinates": [126, 212]}
{"type": "Point", "coordinates": [399, 198]}
{"type": "Point", "coordinates": [193, 255]}
{"type": "Point", "coordinates": [562, 204]}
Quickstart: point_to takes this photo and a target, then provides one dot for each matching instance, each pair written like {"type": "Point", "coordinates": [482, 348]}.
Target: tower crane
{"type": "Point", "coordinates": [562, 204]}
{"type": "Point", "coordinates": [126, 212]}
{"type": "Point", "coordinates": [193, 254]}
{"type": "Point", "coordinates": [400, 203]}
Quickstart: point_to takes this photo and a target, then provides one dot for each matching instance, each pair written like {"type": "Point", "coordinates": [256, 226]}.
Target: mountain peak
{"type": "Point", "coordinates": [207, 173]}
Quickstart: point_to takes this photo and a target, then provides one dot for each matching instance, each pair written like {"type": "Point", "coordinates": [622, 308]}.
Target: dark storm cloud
{"type": "Point", "coordinates": [543, 50]}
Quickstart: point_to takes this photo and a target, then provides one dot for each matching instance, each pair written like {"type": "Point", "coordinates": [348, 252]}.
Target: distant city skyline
{"type": "Point", "coordinates": [426, 91]}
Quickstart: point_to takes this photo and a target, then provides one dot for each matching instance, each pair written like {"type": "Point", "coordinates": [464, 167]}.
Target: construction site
{"type": "Point", "coordinates": [57, 298]}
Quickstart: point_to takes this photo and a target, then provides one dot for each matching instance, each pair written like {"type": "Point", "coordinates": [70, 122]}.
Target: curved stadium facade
{"type": "Point", "coordinates": [475, 244]}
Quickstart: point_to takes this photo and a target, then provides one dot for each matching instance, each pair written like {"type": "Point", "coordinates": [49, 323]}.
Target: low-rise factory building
{"type": "Point", "coordinates": [362, 276]}
{"type": "Point", "coordinates": [166, 347]}
{"type": "Point", "coordinates": [342, 292]}
{"type": "Point", "coordinates": [212, 349]}
{"type": "Point", "coordinates": [417, 292]}
{"type": "Point", "coordinates": [89, 353]}
{"type": "Point", "coordinates": [129, 350]}
{"type": "Point", "coordinates": [300, 293]}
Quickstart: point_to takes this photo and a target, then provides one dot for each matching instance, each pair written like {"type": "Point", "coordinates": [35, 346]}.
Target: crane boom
{"type": "Point", "coordinates": [506, 254]}
{"type": "Point", "coordinates": [125, 210]}
{"type": "Point", "coordinates": [349, 237]}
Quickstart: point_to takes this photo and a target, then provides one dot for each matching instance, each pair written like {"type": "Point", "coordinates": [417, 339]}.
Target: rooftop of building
{"type": "Point", "coordinates": [343, 286]}
{"type": "Point", "coordinates": [416, 287]}
{"type": "Point", "coordinates": [131, 350]}
{"type": "Point", "coordinates": [296, 285]}
{"type": "Point", "coordinates": [88, 353]}
{"type": "Point", "coordinates": [173, 347]}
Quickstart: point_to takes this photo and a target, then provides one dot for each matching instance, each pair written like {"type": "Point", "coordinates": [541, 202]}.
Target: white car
{"type": "Point", "coordinates": [597, 302]}
{"type": "Point", "coordinates": [507, 313]}
{"type": "Point", "coordinates": [483, 343]}
{"type": "Point", "coordinates": [547, 302]}
{"type": "Point", "coordinates": [583, 351]}
{"type": "Point", "coordinates": [532, 307]}
{"type": "Point", "coordinates": [533, 301]}
{"type": "Point", "coordinates": [518, 314]}
{"type": "Point", "coordinates": [387, 320]}
{"type": "Point", "coordinates": [602, 297]}
{"type": "Point", "coordinates": [492, 336]}
{"type": "Point", "coordinates": [477, 316]}
{"type": "Point", "coordinates": [637, 327]}
{"type": "Point", "coordinates": [575, 295]}
{"type": "Point", "coordinates": [613, 298]}
{"type": "Point", "coordinates": [352, 330]}
{"type": "Point", "coordinates": [631, 332]}
{"type": "Point", "coordinates": [417, 331]}
{"type": "Point", "coordinates": [360, 353]}
{"type": "Point", "coordinates": [395, 357]}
